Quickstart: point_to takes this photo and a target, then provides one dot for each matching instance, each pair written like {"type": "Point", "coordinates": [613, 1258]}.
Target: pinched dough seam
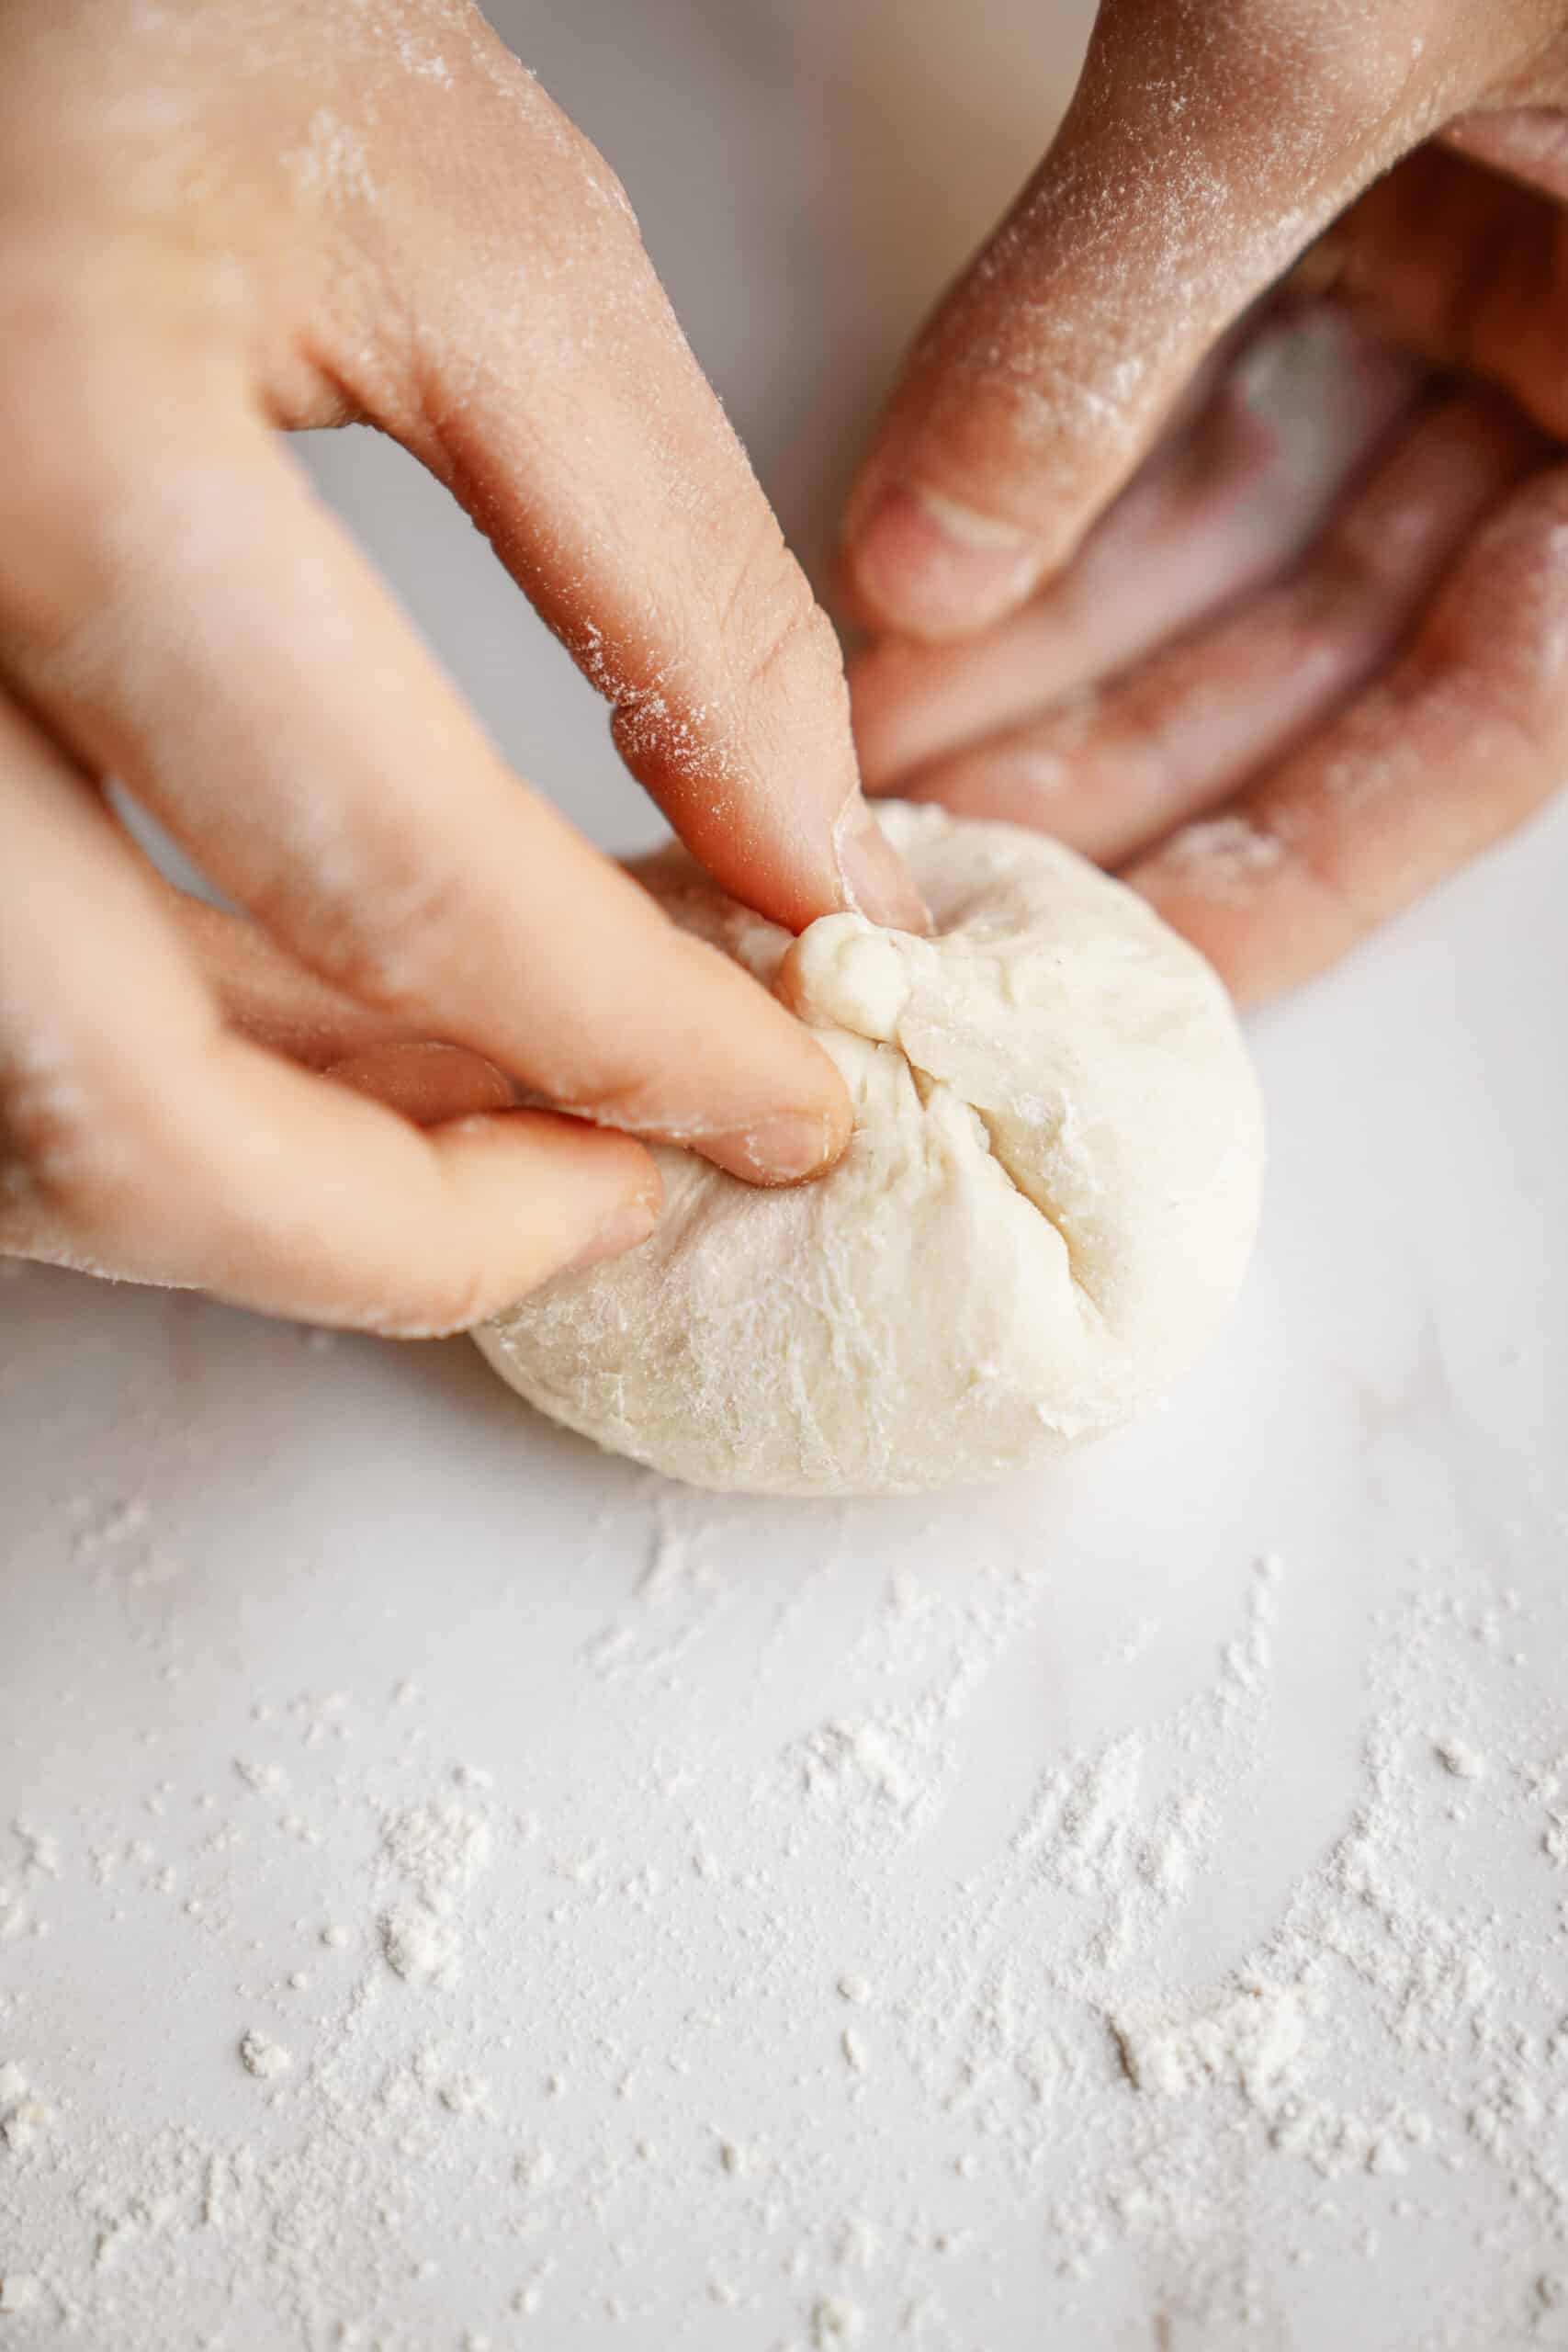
{"type": "Point", "coordinates": [1041, 1208]}
{"type": "Point", "coordinates": [926, 1085]}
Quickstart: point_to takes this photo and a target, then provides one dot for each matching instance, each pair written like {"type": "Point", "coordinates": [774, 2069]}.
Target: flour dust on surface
{"type": "Point", "coordinates": [440, 2051]}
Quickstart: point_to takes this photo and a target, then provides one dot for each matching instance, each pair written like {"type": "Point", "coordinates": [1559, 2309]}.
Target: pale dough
{"type": "Point", "coordinates": [1044, 1211]}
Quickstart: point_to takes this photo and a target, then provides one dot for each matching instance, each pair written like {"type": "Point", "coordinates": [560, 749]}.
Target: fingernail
{"type": "Point", "coordinates": [775, 1151]}
{"type": "Point", "coordinates": [876, 881]}
{"type": "Point", "coordinates": [937, 569]}
{"type": "Point", "coordinates": [624, 1229]}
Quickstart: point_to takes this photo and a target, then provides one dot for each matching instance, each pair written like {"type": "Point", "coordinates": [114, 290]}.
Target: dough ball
{"type": "Point", "coordinates": [1046, 1209]}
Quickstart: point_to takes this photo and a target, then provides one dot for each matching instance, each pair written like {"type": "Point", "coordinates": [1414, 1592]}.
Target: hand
{"type": "Point", "coordinates": [1282, 677]}
{"type": "Point", "coordinates": [218, 217]}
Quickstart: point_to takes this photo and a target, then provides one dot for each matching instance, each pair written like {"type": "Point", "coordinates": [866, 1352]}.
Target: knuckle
{"type": "Point", "coordinates": [1512, 718]}
{"type": "Point", "coordinates": [96, 471]}
{"type": "Point", "coordinates": [394, 942]}
{"type": "Point", "coordinates": [1498, 639]}
{"type": "Point", "coordinates": [788, 651]}
{"type": "Point", "coordinates": [443, 1303]}
{"type": "Point", "coordinates": [585, 184]}
{"type": "Point", "coordinates": [1359, 554]}
{"type": "Point", "coordinates": [1361, 577]}
{"type": "Point", "coordinates": [564, 178]}
{"type": "Point", "coordinates": [68, 1148]}
{"type": "Point", "coordinates": [632, 1100]}
{"type": "Point", "coordinates": [1333, 602]}
{"type": "Point", "coordinates": [568, 193]}
{"type": "Point", "coordinates": [609, 1080]}
{"type": "Point", "coordinates": [780, 669]}
{"type": "Point", "coordinates": [48, 307]}
{"type": "Point", "coordinates": [1289, 52]}
{"type": "Point", "coordinates": [46, 479]}
{"type": "Point", "coordinates": [603, 194]}
{"type": "Point", "coordinates": [93, 334]}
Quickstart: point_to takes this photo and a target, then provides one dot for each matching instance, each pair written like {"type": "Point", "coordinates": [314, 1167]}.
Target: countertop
{"type": "Point", "coordinates": [457, 1891]}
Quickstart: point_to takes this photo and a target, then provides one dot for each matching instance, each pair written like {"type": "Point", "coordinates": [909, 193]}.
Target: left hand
{"type": "Point", "coordinates": [1281, 678]}
{"type": "Point", "coordinates": [218, 218]}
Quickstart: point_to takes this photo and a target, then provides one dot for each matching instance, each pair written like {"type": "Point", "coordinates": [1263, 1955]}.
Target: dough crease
{"type": "Point", "coordinates": [1044, 1214]}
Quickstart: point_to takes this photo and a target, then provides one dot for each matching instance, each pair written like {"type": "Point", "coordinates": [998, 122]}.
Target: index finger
{"type": "Point", "coordinates": [332, 783]}
{"type": "Point", "coordinates": [579, 432]}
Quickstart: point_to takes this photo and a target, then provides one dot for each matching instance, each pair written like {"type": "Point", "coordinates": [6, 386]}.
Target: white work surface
{"type": "Point", "coordinates": [1123, 1909]}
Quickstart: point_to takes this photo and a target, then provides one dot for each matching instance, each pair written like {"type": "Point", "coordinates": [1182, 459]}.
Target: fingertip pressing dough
{"type": "Point", "coordinates": [1045, 1208]}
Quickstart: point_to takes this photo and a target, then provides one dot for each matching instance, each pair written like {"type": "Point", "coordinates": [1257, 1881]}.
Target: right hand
{"type": "Point", "coordinates": [1122, 599]}
{"type": "Point", "coordinates": [219, 216]}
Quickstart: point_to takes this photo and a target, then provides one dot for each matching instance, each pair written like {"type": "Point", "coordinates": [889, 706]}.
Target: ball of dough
{"type": "Point", "coordinates": [1046, 1206]}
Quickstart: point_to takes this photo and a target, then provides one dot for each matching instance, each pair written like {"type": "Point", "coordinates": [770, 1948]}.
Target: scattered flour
{"type": "Point", "coordinates": [261, 2055]}
{"type": "Point", "coordinates": [419, 1945]}
{"type": "Point", "coordinates": [1251, 2038]}
{"type": "Point", "coordinates": [1056, 2077]}
{"type": "Point", "coordinates": [1464, 1762]}
{"type": "Point", "coordinates": [835, 2321]}
{"type": "Point", "coordinates": [23, 2114]}
{"type": "Point", "coordinates": [1226, 857]}
{"type": "Point", "coordinates": [438, 1849]}
{"type": "Point", "coordinates": [467, 2094]}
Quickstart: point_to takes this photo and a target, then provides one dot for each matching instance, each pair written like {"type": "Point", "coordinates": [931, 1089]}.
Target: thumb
{"type": "Point", "coordinates": [1203, 150]}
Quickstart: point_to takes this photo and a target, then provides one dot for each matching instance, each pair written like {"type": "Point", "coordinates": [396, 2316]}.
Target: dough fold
{"type": "Point", "coordinates": [1046, 1207]}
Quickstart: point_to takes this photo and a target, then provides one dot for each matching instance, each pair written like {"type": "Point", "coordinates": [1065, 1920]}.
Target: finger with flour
{"type": "Point", "coordinates": [364, 820]}
{"type": "Point", "coordinates": [1232, 497]}
{"type": "Point", "coordinates": [139, 1137]}
{"type": "Point", "coordinates": [1114, 770]}
{"type": "Point", "coordinates": [577, 427]}
{"type": "Point", "coordinates": [1204, 150]}
{"type": "Point", "coordinates": [1456, 745]}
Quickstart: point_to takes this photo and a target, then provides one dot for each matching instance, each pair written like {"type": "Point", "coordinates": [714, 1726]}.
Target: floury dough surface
{"type": "Point", "coordinates": [1046, 1209]}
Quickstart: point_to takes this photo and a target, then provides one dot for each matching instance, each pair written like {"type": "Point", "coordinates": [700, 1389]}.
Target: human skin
{"type": "Point", "coordinates": [218, 218]}
{"type": "Point", "coordinates": [1105, 604]}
